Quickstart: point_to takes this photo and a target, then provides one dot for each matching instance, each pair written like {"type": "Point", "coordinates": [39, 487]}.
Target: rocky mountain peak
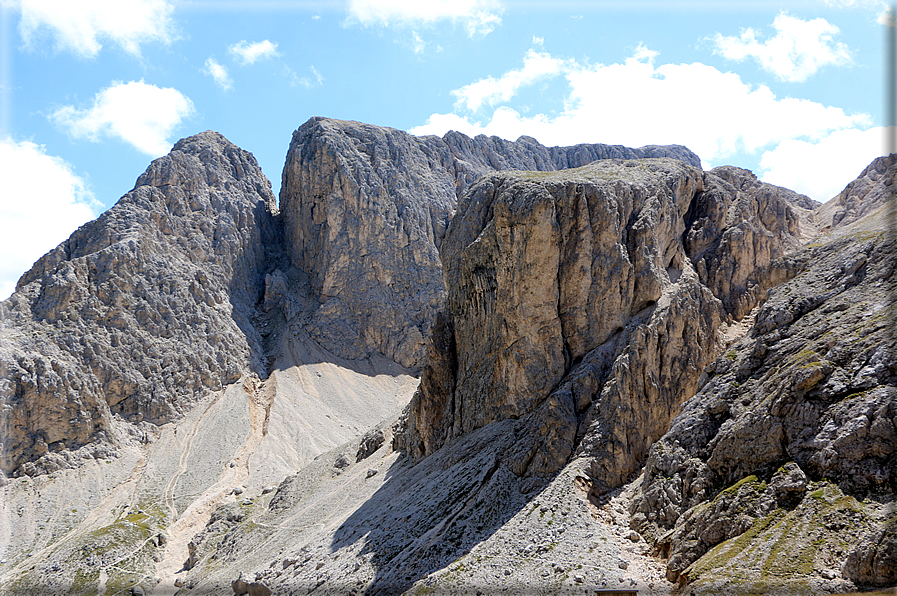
{"type": "Point", "coordinates": [141, 311]}
{"type": "Point", "coordinates": [581, 303]}
{"type": "Point", "coordinates": [872, 188]}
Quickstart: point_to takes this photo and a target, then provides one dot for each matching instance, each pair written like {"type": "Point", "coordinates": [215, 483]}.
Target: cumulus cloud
{"type": "Point", "coordinates": [479, 17]}
{"type": "Point", "coordinates": [820, 169]}
{"type": "Point", "coordinates": [490, 90]}
{"type": "Point", "coordinates": [250, 53]}
{"type": "Point", "coordinates": [219, 73]}
{"type": "Point", "coordinates": [140, 114]}
{"type": "Point", "coordinates": [82, 27]}
{"type": "Point", "coordinates": [797, 51]}
{"type": "Point", "coordinates": [35, 218]}
{"type": "Point", "coordinates": [638, 102]}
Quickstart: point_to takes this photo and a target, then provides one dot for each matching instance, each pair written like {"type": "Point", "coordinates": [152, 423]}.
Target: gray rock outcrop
{"type": "Point", "coordinates": [811, 388]}
{"type": "Point", "coordinates": [872, 188]}
{"type": "Point", "coordinates": [140, 311]}
{"type": "Point", "coordinates": [365, 211]}
{"type": "Point", "coordinates": [735, 229]}
{"type": "Point", "coordinates": [575, 308]}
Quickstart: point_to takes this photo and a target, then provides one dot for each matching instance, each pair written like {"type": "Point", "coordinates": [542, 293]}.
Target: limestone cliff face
{"type": "Point", "coordinates": [139, 311]}
{"type": "Point", "coordinates": [366, 209]}
{"type": "Point", "coordinates": [576, 308]}
{"type": "Point", "coordinates": [795, 427]}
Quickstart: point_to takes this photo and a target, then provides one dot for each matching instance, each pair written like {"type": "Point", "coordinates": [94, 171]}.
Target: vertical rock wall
{"type": "Point", "coordinates": [581, 303]}
{"type": "Point", "coordinates": [366, 209]}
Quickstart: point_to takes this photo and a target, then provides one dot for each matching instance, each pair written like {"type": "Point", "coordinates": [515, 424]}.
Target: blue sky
{"type": "Point", "coordinates": [91, 91]}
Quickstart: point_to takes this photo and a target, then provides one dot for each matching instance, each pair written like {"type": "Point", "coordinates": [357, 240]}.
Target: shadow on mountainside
{"type": "Point", "coordinates": [428, 515]}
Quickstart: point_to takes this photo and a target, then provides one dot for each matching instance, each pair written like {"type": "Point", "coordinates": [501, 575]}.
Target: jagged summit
{"type": "Point", "coordinates": [141, 311]}
{"type": "Point", "coordinates": [862, 196]}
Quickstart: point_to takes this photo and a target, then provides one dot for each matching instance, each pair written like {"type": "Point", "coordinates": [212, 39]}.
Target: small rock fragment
{"type": "Point", "coordinates": [240, 586]}
{"type": "Point", "coordinates": [258, 589]}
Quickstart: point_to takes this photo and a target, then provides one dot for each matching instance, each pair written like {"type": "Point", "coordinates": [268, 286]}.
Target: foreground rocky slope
{"type": "Point", "coordinates": [795, 427]}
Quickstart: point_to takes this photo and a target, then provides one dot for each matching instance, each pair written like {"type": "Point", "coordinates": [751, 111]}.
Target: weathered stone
{"type": "Point", "coordinates": [370, 442]}
{"type": "Point", "coordinates": [735, 228]}
{"type": "Point", "coordinates": [141, 311]}
{"type": "Point", "coordinates": [366, 209]}
{"type": "Point", "coordinates": [258, 589]}
{"type": "Point", "coordinates": [862, 196]}
{"type": "Point", "coordinates": [240, 586]}
{"type": "Point", "coordinates": [874, 561]}
{"type": "Point", "coordinates": [811, 384]}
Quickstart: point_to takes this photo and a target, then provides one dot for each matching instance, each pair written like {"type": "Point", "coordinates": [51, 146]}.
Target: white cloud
{"type": "Point", "coordinates": [417, 43]}
{"type": "Point", "coordinates": [856, 3]}
{"type": "Point", "coordinates": [250, 53]}
{"type": "Point", "coordinates": [82, 26]}
{"type": "Point", "coordinates": [538, 41]}
{"type": "Point", "coordinates": [491, 90]}
{"type": "Point", "coordinates": [218, 72]}
{"type": "Point", "coordinates": [479, 17]}
{"type": "Point", "coordinates": [798, 50]}
{"type": "Point", "coordinates": [42, 202]}
{"type": "Point", "coordinates": [135, 112]}
{"type": "Point", "coordinates": [823, 168]}
{"type": "Point", "coordinates": [315, 80]}
{"type": "Point", "coordinates": [639, 103]}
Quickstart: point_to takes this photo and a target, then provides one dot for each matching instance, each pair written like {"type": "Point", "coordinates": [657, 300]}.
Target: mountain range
{"type": "Point", "coordinates": [454, 366]}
